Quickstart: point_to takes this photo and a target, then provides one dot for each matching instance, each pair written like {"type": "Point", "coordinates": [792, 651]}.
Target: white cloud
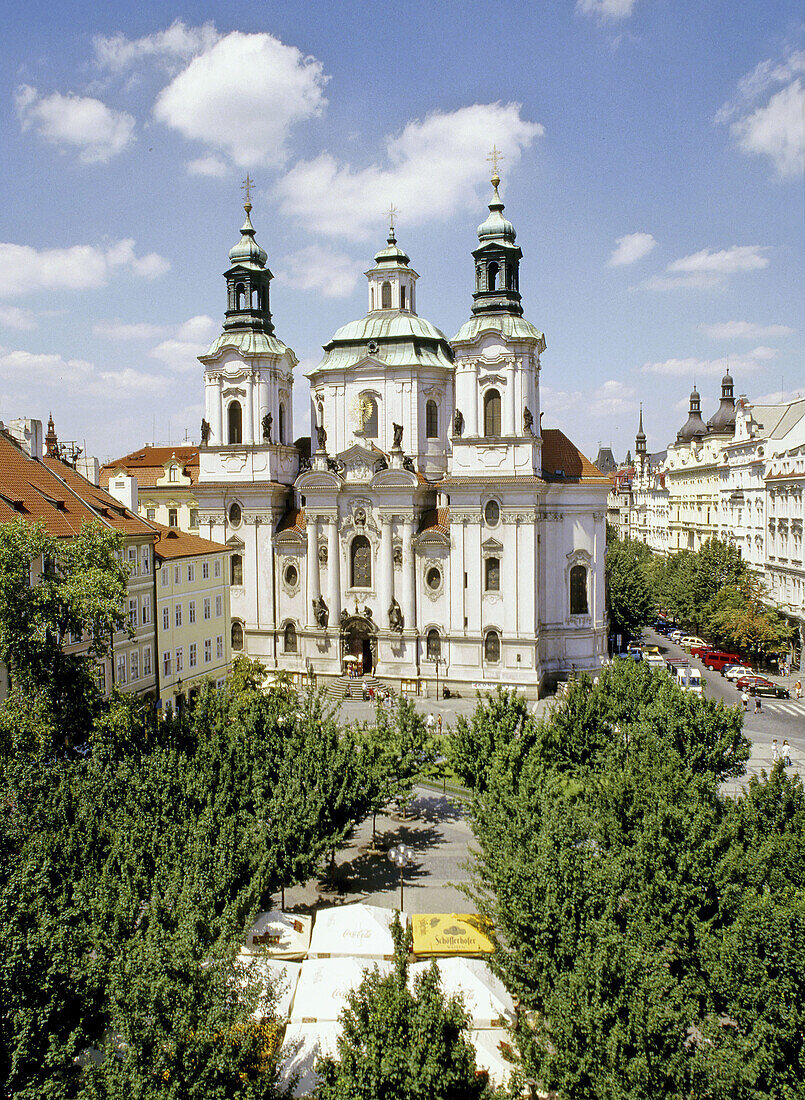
{"type": "Point", "coordinates": [693, 368]}
{"type": "Point", "coordinates": [631, 248]}
{"type": "Point", "coordinates": [208, 166]}
{"type": "Point", "coordinates": [319, 268]}
{"type": "Point", "coordinates": [745, 330]}
{"type": "Point", "coordinates": [26, 270]}
{"type": "Point", "coordinates": [14, 317]}
{"type": "Point", "coordinates": [178, 43]}
{"type": "Point", "coordinates": [609, 399]}
{"type": "Point", "coordinates": [119, 330]}
{"type": "Point", "coordinates": [200, 327]}
{"type": "Point", "coordinates": [243, 95]}
{"type": "Point", "coordinates": [433, 167]}
{"type": "Point", "coordinates": [47, 369]}
{"type": "Point", "coordinates": [708, 270]}
{"type": "Point", "coordinates": [777, 397]}
{"type": "Point", "coordinates": [606, 9]}
{"type": "Point", "coordinates": [180, 351]}
{"type": "Point", "coordinates": [81, 123]}
{"type": "Point", "coordinates": [767, 120]}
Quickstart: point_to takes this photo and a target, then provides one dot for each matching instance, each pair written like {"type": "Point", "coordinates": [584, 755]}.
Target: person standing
{"type": "Point", "coordinates": [757, 702]}
{"type": "Point", "coordinates": [430, 721]}
{"type": "Point", "coordinates": [798, 689]}
{"type": "Point", "coordinates": [775, 752]}
{"type": "Point", "coordinates": [745, 700]}
{"type": "Point", "coordinates": [786, 753]}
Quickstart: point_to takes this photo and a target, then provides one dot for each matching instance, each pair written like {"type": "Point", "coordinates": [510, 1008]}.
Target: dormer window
{"type": "Point", "coordinates": [173, 473]}
{"type": "Point", "coordinates": [402, 297]}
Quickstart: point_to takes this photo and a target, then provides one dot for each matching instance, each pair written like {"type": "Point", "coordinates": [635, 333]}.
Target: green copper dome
{"type": "Point", "coordinates": [496, 227]}
{"type": "Point", "coordinates": [247, 252]}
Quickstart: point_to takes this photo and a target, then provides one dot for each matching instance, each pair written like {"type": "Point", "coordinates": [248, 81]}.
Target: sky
{"type": "Point", "coordinates": [652, 166]}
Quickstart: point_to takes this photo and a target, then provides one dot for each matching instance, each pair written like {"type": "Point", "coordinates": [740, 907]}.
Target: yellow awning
{"type": "Point", "coordinates": [452, 934]}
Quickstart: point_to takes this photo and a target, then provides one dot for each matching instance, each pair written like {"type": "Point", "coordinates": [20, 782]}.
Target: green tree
{"type": "Point", "coordinates": [738, 617]}
{"type": "Point", "coordinates": [471, 747]}
{"type": "Point", "coordinates": [630, 592]}
{"type": "Point", "coordinates": [403, 751]}
{"type": "Point", "coordinates": [402, 1044]}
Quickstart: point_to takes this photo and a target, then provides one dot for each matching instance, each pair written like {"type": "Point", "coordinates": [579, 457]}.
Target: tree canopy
{"type": "Point", "coordinates": [630, 588]}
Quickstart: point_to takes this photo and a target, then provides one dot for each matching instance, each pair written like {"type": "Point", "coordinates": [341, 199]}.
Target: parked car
{"type": "Point", "coordinates": [687, 677]}
{"type": "Point", "coordinates": [654, 660]}
{"type": "Point", "coordinates": [700, 650]}
{"type": "Point", "coordinates": [736, 672]}
{"type": "Point", "coordinates": [634, 651]}
{"type": "Point", "coordinates": [689, 640]}
{"type": "Point", "coordinates": [718, 659]}
{"type": "Point", "coordinates": [760, 685]}
{"type": "Point", "coordinates": [676, 636]}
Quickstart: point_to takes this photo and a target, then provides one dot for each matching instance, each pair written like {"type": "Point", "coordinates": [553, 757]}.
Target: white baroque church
{"type": "Point", "coordinates": [436, 530]}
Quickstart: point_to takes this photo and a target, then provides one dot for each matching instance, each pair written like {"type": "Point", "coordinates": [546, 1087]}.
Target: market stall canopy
{"type": "Point", "coordinates": [323, 986]}
{"type": "Point", "coordinates": [496, 1053]}
{"type": "Point", "coordinates": [280, 935]}
{"type": "Point", "coordinates": [487, 1000]}
{"type": "Point", "coordinates": [278, 978]}
{"type": "Point", "coordinates": [452, 934]}
{"type": "Point", "coordinates": [353, 930]}
{"type": "Point", "coordinates": [303, 1045]}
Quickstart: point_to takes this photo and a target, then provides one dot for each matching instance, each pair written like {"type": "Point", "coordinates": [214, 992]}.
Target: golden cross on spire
{"type": "Point", "coordinates": [246, 187]}
{"type": "Point", "coordinates": [392, 210]}
{"type": "Point", "coordinates": [494, 156]}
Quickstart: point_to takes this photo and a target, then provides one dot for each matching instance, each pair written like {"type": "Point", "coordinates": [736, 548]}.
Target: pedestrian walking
{"type": "Point", "coordinates": [775, 752]}
{"type": "Point", "coordinates": [786, 753]}
{"type": "Point", "coordinates": [430, 721]}
{"type": "Point", "coordinates": [798, 689]}
{"type": "Point", "coordinates": [757, 703]}
{"type": "Point", "coordinates": [745, 700]}
{"type": "Point", "coordinates": [439, 725]}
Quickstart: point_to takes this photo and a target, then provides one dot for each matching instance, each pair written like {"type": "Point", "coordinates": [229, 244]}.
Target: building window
{"type": "Point", "coordinates": [402, 297]}
{"type": "Point", "coordinates": [133, 570]}
{"type": "Point", "coordinates": [217, 569]}
{"type": "Point", "coordinates": [492, 647]}
{"type": "Point", "coordinates": [146, 608]}
{"type": "Point", "coordinates": [492, 276]}
{"type": "Point", "coordinates": [207, 606]}
{"type": "Point", "coordinates": [146, 561]}
{"type": "Point", "coordinates": [191, 655]}
{"type": "Point", "coordinates": [100, 678]}
{"type": "Point", "coordinates": [178, 611]}
{"type": "Point", "coordinates": [177, 574]}
{"type": "Point", "coordinates": [431, 420]}
{"type": "Point", "coordinates": [133, 612]}
{"type": "Point", "coordinates": [492, 575]}
{"type": "Point", "coordinates": [166, 618]}
{"type": "Point", "coordinates": [235, 423]}
{"type": "Point", "coordinates": [207, 650]}
{"type": "Point", "coordinates": [219, 606]}
{"type": "Point", "coordinates": [179, 660]}
{"type": "Point", "coordinates": [236, 570]}
{"type": "Point", "coordinates": [205, 570]}
{"type": "Point", "coordinates": [361, 562]}
{"type": "Point", "coordinates": [191, 611]}
{"type": "Point", "coordinates": [433, 578]}
{"type": "Point", "coordinates": [291, 575]}
{"type": "Point", "coordinates": [281, 424]}
{"type": "Point", "coordinates": [173, 473]}
{"type": "Point", "coordinates": [151, 514]}
{"type": "Point", "coordinates": [385, 296]}
{"type": "Point", "coordinates": [166, 576]}
{"type": "Point", "coordinates": [237, 636]}
{"type": "Point", "coordinates": [492, 513]}
{"type": "Point", "coordinates": [191, 573]}
{"type": "Point", "coordinates": [219, 647]}
{"type": "Point", "coordinates": [578, 590]}
{"type": "Point", "coordinates": [433, 644]}
{"type": "Point", "coordinates": [121, 668]}
{"type": "Point", "coordinates": [147, 660]}
{"type": "Point", "coordinates": [166, 663]}
{"type": "Point", "coordinates": [173, 517]}
{"type": "Point", "coordinates": [194, 517]}
{"type": "Point", "coordinates": [289, 638]}
{"type": "Point", "coordinates": [235, 515]}
{"type": "Point", "coordinates": [134, 665]}
{"type": "Point", "coordinates": [491, 413]}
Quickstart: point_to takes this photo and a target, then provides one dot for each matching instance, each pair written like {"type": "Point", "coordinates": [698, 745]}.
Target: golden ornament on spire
{"type": "Point", "coordinates": [246, 188]}
{"type": "Point", "coordinates": [495, 155]}
{"type": "Point", "coordinates": [392, 210]}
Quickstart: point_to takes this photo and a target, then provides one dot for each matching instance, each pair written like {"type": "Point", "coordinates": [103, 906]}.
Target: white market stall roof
{"type": "Point", "coordinates": [277, 976]}
{"type": "Point", "coordinates": [302, 1046]}
{"type": "Point", "coordinates": [321, 992]}
{"type": "Point", "coordinates": [487, 1000]}
{"type": "Point", "coordinates": [356, 929]}
{"type": "Point", "coordinates": [280, 935]}
{"type": "Point", "coordinates": [492, 1045]}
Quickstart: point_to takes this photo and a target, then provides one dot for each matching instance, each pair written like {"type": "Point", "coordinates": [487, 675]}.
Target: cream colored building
{"type": "Point", "coordinates": [193, 620]}
{"type": "Point", "coordinates": [166, 479]}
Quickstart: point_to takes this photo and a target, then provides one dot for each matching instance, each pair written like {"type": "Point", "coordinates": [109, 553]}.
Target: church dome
{"type": "Point", "coordinates": [496, 227]}
{"type": "Point", "coordinates": [722, 422]}
{"type": "Point", "coordinates": [247, 252]}
{"type": "Point", "coordinates": [694, 427]}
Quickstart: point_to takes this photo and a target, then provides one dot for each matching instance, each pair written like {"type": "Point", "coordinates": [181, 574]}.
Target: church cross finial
{"type": "Point", "coordinates": [392, 210]}
{"type": "Point", "coordinates": [246, 187]}
{"type": "Point", "coordinates": [495, 155]}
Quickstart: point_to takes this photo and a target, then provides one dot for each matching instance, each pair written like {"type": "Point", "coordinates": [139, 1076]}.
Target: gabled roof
{"type": "Point", "coordinates": [172, 544]}
{"type": "Point", "coordinates": [293, 520]}
{"type": "Point", "coordinates": [148, 464]}
{"type": "Point", "coordinates": [563, 461]}
{"type": "Point", "coordinates": [50, 491]}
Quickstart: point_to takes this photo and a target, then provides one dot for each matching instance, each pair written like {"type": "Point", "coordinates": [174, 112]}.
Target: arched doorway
{"type": "Point", "coordinates": [358, 646]}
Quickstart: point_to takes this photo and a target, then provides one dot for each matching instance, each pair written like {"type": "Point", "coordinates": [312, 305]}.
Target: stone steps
{"type": "Point", "coordinates": [338, 688]}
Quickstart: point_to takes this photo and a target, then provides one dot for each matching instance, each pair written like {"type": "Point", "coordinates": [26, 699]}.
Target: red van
{"type": "Point", "coordinates": [716, 659]}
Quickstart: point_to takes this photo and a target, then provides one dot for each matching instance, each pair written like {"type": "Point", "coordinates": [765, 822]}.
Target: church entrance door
{"type": "Point", "coordinates": [366, 647]}
{"type": "Point", "coordinates": [358, 647]}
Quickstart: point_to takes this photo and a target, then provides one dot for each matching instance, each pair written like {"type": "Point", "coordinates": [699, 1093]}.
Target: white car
{"type": "Point", "coordinates": [735, 672]}
{"type": "Point", "coordinates": [690, 640]}
{"type": "Point", "coordinates": [675, 636]}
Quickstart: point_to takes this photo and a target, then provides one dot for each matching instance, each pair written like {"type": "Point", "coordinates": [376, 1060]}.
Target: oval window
{"type": "Point", "coordinates": [291, 576]}
{"type": "Point", "coordinates": [235, 515]}
{"type": "Point", "coordinates": [433, 578]}
{"type": "Point", "coordinates": [492, 513]}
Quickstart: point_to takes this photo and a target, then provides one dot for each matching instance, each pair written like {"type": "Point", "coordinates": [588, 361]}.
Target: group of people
{"type": "Point", "coordinates": [745, 700]}
{"type": "Point", "coordinates": [786, 753]}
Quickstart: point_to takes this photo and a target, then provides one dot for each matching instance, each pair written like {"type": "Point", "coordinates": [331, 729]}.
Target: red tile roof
{"type": "Point", "coordinates": [148, 464]}
{"type": "Point", "coordinates": [435, 521]}
{"type": "Point", "coordinates": [293, 520]}
{"type": "Point", "coordinates": [172, 543]}
{"type": "Point", "coordinates": [563, 461]}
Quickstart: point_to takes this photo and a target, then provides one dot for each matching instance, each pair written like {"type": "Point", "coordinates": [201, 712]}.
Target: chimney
{"type": "Point", "coordinates": [124, 488]}
{"type": "Point", "coordinates": [28, 433]}
{"type": "Point", "coordinates": [89, 468]}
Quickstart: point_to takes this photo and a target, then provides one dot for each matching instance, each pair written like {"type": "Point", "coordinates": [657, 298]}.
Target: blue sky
{"type": "Point", "coordinates": [653, 170]}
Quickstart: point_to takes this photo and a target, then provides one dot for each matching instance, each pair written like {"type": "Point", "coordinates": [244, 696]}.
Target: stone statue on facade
{"type": "Point", "coordinates": [458, 423]}
{"type": "Point", "coordinates": [408, 464]}
{"type": "Point", "coordinates": [396, 621]}
{"type": "Point", "coordinates": [398, 434]}
{"type": "Point", "coordinates": [268, 420]}
{"type": "Point", "coordinates": [205, 431]}
{"type": "Point", "coordinates": [321, 437]}
{"type": "Point", "coordinates": [528, 420]}
{"type": "Point", "coordinates": [344, 616]}
{"type": "Point", "coordinates": [321, 612]}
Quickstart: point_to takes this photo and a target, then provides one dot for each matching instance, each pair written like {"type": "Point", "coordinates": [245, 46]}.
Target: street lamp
{"type": "Point", "coordinates": [438, 661]}
{"type": "Point", "coordinates": [401, 857]}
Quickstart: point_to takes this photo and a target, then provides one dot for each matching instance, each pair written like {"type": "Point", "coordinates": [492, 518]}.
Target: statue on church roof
{"type": "Point", "coordinates": [458, 423]}
{"type": "Point", "coordinates": [396, 620]}
{"type": "Point", "coordinates": [268, 421]}
{"type": "Point", "coordinates": [321, 437]}
{"type": "Point", "coordinates": [321, 613]}
{"type": "Point", "coordinates": [205, 431]}
{"type": "Point", "coordinates": [398, 434]}
{"type": "Point", "coordinates": [528, 421]}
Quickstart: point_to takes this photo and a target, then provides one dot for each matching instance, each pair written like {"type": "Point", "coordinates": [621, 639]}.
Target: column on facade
{"type": "Point", "coordinates": [385, 570]}
{"type": "Point", "coordinates": [312, 566]}
{"type": "Point", "coordinates": [473, 427]}
{"type": "Point", "coordinates": [262, 407]}
{"type": "Point", "coordinates": [408, 567]}
{"type": "Point", "coordinates": [215, 411]}
{"type": "Point", "coordinates": [333, 570]}
{"type": "Point", "coordinates": [247, 419]}
{"type": "Point", "coordinates": [509, 423]}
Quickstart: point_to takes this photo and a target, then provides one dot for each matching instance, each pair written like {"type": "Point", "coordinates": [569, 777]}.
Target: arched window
{"type": "Point", "coordinates": [289, 638]}
{"type": "Point", "coordinates": [255, 298]}
{"type": "Point", "coordinates": [578, 590]}
{"type": "Point", "coordinates": [240, 296]}
{"type": "Point", "coordinates": [433, 644]}
{"type": "Point", "coordinates": [371, 298]}
{"type": "Point", "coordinates": [281, 424]}
{"type": "Point", "coordinates": [235, 418]}
{"type": "Point", "coordinates": [402, 297]}
{"type": "Point", "coordinates": [492, 575]}
{"type": "Point", "coordinates": [492, 276]}
{"type": "Point", "coordinates": [431, 420]}
{"type": "Point", "coordinates": [385, 296]}
{"type": "Point", "coordinates": [361, 562]}
{"type": "Point", "coordinates": [237, 636]}
{"type": "Point", "coordinates": [370, 426]}
{"type": "Point", "coordinates": [492, 647]}
{"type": "Point", "coordinates": [236, 570]}
{"type": "Point", "coordinates": [491, 413]}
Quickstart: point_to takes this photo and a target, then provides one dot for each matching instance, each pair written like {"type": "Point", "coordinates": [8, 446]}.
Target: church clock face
{"type": "Point", "coordinates": [361, 410]}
